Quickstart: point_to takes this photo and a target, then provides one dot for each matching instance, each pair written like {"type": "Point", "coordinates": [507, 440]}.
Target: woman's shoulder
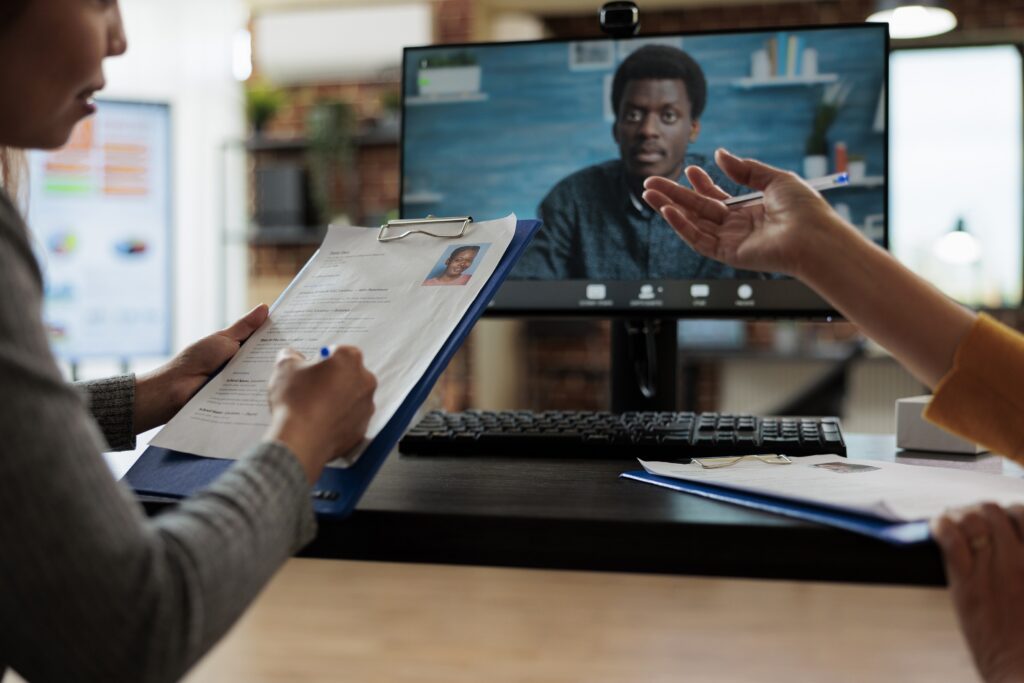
{"type": "Point", "coordinates": [15, 247]}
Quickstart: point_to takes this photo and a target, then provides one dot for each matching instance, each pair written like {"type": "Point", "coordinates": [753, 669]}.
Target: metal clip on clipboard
{"type": "Point", "coordinates": [382, 236]}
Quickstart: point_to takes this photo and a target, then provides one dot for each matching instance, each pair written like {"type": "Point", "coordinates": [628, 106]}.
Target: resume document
{"type": "Point", "coordinates": [892, 491]}
{"type": "Point", "coordinates": [397, 301]}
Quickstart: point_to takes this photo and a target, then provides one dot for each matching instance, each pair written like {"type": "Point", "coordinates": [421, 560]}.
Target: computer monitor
{"type": "Point", "coordinates": [957, 140]}
{"type": "Point", "coordinates": [100, 210]}
{"type": "Point", "coordinates": [567, 130]}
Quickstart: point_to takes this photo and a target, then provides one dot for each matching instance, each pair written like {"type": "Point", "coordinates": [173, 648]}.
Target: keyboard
{"type": "Point", "coordinates": [672, 436]}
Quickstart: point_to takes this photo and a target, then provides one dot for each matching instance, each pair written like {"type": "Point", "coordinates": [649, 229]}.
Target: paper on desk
{"type": "Point", "coordinates": [893, 491]}
{"type": "Point", "coordinates": [355, 291]}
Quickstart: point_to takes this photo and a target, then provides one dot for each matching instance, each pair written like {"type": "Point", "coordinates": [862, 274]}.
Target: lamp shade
{"type": "Point", "coordinates": [914, 18]}
{"type": "Point", "coordinates": [958, 247]}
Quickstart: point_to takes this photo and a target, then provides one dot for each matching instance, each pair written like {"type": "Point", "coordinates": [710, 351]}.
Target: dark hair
{"type": "Point", "coordinates": [662, 62]}
{"type": "Point", "coordinates": [459, 250]}
{"type": "Point", "coordinates": [12, 170]}
{"type": "Point", "coordinates": [10, 10]}
{"type": "Point", "coordinates": [12, 161]}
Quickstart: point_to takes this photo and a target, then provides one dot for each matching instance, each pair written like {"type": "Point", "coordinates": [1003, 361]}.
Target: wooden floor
{"type": "Point", "coordinates": [323, 620]}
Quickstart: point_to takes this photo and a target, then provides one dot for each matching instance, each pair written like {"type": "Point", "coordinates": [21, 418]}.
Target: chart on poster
{"type": "Point", "coordinates": [100, 215]}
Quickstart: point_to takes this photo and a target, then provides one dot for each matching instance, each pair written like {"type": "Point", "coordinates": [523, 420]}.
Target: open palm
{"type": "Point", "coordinates": [764, 237]}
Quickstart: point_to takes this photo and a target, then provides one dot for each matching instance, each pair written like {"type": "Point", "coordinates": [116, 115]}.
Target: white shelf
{"type": "Point", "coordinates": [785, 81]}
{"type": "Point", "coordinates": [422, 198]}
{"type": "Point", "coordinates": [447, 98]}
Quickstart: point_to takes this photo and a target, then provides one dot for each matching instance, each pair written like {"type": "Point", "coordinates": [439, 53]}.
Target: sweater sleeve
{"type": "Point", "coordinates": [112, 404]}
{"type": "Point", "coordinates": [982, 397]}
{"type": "Point", "coordinates": [90, 588]}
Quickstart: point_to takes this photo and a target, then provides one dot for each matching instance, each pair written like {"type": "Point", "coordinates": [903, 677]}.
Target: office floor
{"type": "Point", "coordinates": [325, 620]}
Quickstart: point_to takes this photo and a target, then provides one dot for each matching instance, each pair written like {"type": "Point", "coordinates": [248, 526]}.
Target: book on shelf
{"type": "Point", "coordinates": [787, 56]}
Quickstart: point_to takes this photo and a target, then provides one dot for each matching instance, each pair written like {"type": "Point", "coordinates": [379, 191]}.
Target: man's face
{"type": "Point", "coordinates": [458, 263]}
{"type": "Point", "coordinates": [653, 127]}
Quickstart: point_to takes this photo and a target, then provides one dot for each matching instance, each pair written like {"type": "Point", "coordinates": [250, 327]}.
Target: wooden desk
{"type": "Point", "coordinates": [548, 513]}
{"type": "Point", "coordinates": [369, 622]}
{"type": "Point", "coordinates": [577, 514]}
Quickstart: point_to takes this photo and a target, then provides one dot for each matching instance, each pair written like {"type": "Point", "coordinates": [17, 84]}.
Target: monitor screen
{"type": "Point", "coordinates": [566, 131]}
{"type": "Point", "coordinates": [100, 211]}
{"type": "Point", "coordinates": [956, 211]}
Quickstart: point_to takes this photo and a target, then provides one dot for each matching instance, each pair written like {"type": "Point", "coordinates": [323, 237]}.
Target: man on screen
{"type": "Point", "coordinates": [595, 224]}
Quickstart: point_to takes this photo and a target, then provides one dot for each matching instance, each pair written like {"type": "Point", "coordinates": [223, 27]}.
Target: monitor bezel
{"type": "Point", "coordinates": [825, 312]}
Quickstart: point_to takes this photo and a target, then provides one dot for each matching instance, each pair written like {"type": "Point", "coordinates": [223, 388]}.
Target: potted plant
{"type": "Point", "coordinates": [391, 108]}
{"type": "Point", "coordinates": [330, 127]}
{"type": "Point", "coordinates": [816, 148]}
{"type": "Point", "coordinates": [262, 102]}
{"type": "Point", "coordinates": [453, 73]}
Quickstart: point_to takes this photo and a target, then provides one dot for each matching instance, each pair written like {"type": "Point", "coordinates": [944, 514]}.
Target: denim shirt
{"type": "Point", "coordinates": [596, 228]}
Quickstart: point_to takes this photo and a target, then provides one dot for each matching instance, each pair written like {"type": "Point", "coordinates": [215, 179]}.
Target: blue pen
{"type": "Point", "coordinates": [820, 184]}
{"type": "Point", "coordinates": [324, 352]}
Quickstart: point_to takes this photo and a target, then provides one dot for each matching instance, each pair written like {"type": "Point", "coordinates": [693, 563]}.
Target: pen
{"type": "Point", "coordinates": [821, 184]}
{"type": "Point", "coordinates": [324, 352]}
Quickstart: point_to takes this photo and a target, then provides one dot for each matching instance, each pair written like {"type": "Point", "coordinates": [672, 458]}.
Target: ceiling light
{"type": "Point", "coordinates": [914, 18]}
{"type": "Point", "coordinates": [241, 55]}
{"type": "Point", "coordinates": [958, 247]}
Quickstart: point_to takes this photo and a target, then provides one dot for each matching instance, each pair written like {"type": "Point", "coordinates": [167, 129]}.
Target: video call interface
{"type": "Point", "coordinates": [566, 131]}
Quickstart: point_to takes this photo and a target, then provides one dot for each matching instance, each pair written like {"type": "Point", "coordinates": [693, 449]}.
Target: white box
{"type": "Point", "coordinates": [914, 433]}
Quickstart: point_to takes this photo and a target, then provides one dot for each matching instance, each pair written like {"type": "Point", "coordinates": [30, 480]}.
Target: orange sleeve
{"type": "Point", "coordinates": [982, 397]}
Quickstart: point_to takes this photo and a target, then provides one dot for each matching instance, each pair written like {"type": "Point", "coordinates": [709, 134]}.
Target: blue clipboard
{"type": "Point", "coordinates": [895, 533]}
{"type": "Point", "coordinates": [172, 474]}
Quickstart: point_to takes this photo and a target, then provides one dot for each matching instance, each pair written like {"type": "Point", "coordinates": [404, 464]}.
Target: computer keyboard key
{"type": "Point", "coordinates": [781, 442]}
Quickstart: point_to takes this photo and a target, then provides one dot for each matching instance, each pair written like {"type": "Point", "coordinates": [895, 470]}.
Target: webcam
{"type": "Point", "coordinates": [620, 19]}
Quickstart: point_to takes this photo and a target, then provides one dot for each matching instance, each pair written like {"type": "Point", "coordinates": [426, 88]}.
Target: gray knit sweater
{"type": "Point", "coordinates": [90, 588]}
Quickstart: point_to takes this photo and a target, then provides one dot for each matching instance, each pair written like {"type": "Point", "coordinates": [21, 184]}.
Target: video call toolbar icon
{"type": "Point", "coordinates": [597, 292]}
{"type": "Point", "coordinates": [700, 291]}
{"type": "Point", "coordinates": [744, 291]}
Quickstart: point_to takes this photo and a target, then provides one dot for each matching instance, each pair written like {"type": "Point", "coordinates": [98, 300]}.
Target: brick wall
{"type": "Point", "coordinates": [565, 365]}
{"type": "Point", "coordinates": [972, 16]}
{"type": "Point", "coordinates": [453, 21]}
{"type": "Point", "coordinates": [376, 163]}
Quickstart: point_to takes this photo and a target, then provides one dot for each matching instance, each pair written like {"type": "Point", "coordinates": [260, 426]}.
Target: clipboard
{"type": "Point", "coordinates": [172, 474]}
{"type": "Point", "coordinates": [894, 533]}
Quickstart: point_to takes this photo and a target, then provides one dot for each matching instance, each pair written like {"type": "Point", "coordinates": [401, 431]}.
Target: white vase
{"type": "Point", "coordinates": [815, 166]}
{"type": "Point", "coordinates": [858, 170]}
{"type": "Point", "coordinates": [809, 63]}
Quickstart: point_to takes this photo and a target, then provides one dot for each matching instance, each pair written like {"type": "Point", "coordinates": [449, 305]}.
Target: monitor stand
{"type": "Point", "coordinates": [644, 357]}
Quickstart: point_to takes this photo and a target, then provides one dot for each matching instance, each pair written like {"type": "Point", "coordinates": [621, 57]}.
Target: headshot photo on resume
{"type": "Point", "coordinates": [457, 268]}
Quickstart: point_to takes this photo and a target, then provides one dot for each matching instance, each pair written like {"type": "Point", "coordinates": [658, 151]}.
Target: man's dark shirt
{"type": "Point", "coordinates": [594, 228]}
